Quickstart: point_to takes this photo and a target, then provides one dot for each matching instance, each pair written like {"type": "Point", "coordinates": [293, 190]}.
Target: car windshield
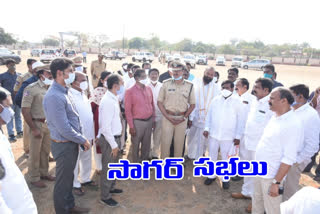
{"type": "Point", "coordinates": [220, 58]}
{"type": "Point", "coordinates": [71, 52]}
{"type": "Point", "coordinates": [47, 51]}
{"type": "Point", "coordinates": [149, 54]}
{"type": "Point", "coordinates": [237, 59]}
{"type": "Point", "coordinates": [5, 51]}
{"type": "Point", "coordinates": [202, 56]}
{"type": "Point", "coordinates": [189, 57]}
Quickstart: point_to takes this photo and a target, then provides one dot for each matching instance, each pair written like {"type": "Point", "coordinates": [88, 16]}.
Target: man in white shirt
{"type": "Point", "coordinates": [155, 86]}
{"type": "Point", "coordinates": [242, 89]}
{"type": "Point", "coordinates": [15, 196]}
{"type": "Point", "coordinates": [109, 135]}
{"type": "Point", "coordinates": [311, 126]}
{"type": "Point", "coordinates": [205, 91]}
{"type": "Point", "coordinates": [257, 120]}
{"type": "Point", "coordinates": [278, 146]}
{"type": "Point", "coordinates": [224, 125]}
{"type": "Point", "coordinates": [83, 107]}
{"type": "Point", "coordinates": [131, 81]}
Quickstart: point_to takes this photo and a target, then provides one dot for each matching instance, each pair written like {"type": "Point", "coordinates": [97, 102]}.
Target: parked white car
{"type": "Point", "coordinates": [176, 57]}
{"type": "Point", "coordinates": [255, 64]}
{"type": "Point", "coordinates": [143, 57]}
{"type": "Point", "coordinates": [190, 59]}
{"type": "Point", "coordinates": [202, 59]}
{"type": "Point", "coordinates": [220, 60]}
{"type": "Point", "coordinates": [237, 61]}
{"type": "Point", "coordinates": [47, 55]}
{"type": "Point", "coordinates": [35, 52]}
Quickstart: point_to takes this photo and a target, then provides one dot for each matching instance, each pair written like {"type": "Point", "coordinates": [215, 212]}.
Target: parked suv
{"type": "Point", "coordinates": [35, 52]}
{"type": "Point", "coordinates": [47, 55]}
{"type": "Point", "coordinates": [143, 57]}
{"type": "Point", "coordinates": [202, 59]}
{"type": "Point", "coordinates": [114, 55]}
{"type": "Point", "coordinates": [256, 64]}
{"type": "Point", "coordinates": [220, 60]}
{"type": "Point", "coordinates": [236, 61]}
{"type": "Point", "coordinates": [190, 59]}
{"type": "Point", "coordinates": [6, 54]}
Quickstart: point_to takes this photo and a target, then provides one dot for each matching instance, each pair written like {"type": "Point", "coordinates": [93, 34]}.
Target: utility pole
{"type": "Point", "coordinates": [123, 39]}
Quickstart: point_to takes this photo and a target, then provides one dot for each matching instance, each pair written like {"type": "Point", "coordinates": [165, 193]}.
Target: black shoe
{"type": "Point", "coordinates": [116, 191]}
{"type": "Point", "coordinates": [110, 202]}
{"type": "Point", "coordinates": [225, 185]}
{"type": "Point", "coordinates": [236, 178]}
{"type": "Point", "coordinates": [153, 158]}
{"type": "Point", "coordinates": [209, 181]}
{"type": "Point", "coordinates": [123, 152]}
{"type": "Point", "coordinates": [12, 139]}
{"type": "Point", "coordinates": [20, 135]}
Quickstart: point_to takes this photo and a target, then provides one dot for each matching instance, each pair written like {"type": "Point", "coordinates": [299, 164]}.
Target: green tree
{"type": "Point", "coordinates": [6, 38]}
{"type": "Point", "coordinates": [184, 45]}
{"type": "Point", "coordinates": [154, 43]}
{"type": "Point", "coordinates": [136, 43]}
{"type": "Point", "coordinates": [50, 42]}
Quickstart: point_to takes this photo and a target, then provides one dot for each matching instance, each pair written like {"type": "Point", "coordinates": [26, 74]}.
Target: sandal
{"type": "Point", "coordinates": [78, 191]}
{"type": "Point", "coordinates": [90, 183]}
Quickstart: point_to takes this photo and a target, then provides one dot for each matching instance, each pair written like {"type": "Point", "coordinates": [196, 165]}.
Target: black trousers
{"type": "Point", "coordinates": [66, 155]}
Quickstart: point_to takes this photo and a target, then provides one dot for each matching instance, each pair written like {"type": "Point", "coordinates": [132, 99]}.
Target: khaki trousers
{"type": "Point", "coordinates": [169, 131]}
{"type": "Point", "coordinates": [156, 139]}
{"type": "Point", "coordinates": [38, 162]}
{"type": "Point", "coordinates": [291, 184]}
{"type": "Point", "coordinates": [26, 137]}
{"type": "Point", "coordinates": [261, 200]}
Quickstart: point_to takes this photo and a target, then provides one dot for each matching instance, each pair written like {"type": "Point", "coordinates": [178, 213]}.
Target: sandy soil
{"type": "Point", "coordinates": [186, 196]}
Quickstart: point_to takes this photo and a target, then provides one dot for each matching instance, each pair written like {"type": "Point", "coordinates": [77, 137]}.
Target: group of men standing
{"type": "Point", "coordinates": [167, 115]}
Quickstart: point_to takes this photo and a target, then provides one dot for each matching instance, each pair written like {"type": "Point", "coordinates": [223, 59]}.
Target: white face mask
{"type": "Point", "coordinates": [71, 78]}
{"type": "Point", "coordinates": [84, 86]}
{"type": "Point", "coordinates": [47, 81]}
{"type": "Point", "coordinates": [147, 71]}
{"type": "Point", "coordinates": [153, 82]}
{"type": "Point", "coordinates": [105, 84]}
{"type": "Point", "coordinates": [6, 114]}
{"type": "Point", "coordinates": [226, 93]}
{"type": "Point", "coordinates": [215, 79]}
{"type": "Point", "coordinates": [144, 82]}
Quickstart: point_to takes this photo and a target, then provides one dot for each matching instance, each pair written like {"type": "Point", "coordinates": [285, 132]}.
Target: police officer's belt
{"type": "Point", "coordinates": [39, 120]}
{"type": "Point", "coordinates": [175, 113]}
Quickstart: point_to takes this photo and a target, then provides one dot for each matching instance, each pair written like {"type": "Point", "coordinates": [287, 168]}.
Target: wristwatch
{"type": "Point", "coordinates": [274, 181]}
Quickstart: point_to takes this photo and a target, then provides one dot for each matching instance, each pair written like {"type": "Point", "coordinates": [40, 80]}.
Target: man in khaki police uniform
{"type": "Point", "coordinates": [17, 86]}
{"type": "Point", "coordinates": [97, 67]}
{"type": "Point", "coordinates": [33, 114]}
{"type": "Point", "coordinates": [176, 101]}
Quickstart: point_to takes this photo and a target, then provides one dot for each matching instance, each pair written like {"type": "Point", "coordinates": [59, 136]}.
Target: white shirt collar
{"type": "Point", "coordinates": [265, 99]}
{"type": "Point", "coordinates": [285, 115]}
{"type": "Point", "coordinates": [303, 107]}
{"type": "Point", "coordinates": [75, 92]}
{"type": "Point", "coordinates": [110, 94]}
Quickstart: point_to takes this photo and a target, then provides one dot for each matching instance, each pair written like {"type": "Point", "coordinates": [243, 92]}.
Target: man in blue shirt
{"type": "Point", "coordinates": [66, 134]}
{"type": "Point", "coordinates": [7, 81]}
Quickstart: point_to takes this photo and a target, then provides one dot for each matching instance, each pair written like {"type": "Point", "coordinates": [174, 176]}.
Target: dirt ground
{"type": "Point", "coordinates": [189, 195]}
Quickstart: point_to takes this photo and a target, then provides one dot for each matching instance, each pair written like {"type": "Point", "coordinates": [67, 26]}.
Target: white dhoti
{"type": "Point", "coordinates": [214, 146]}
{"type": "Point", "coordinates": [248, 182]}
{"type": "Point", "coordinates": [97, 158]}
{"type": "Point", "coordinates": [84, 165]}
{"type": "Point", "coordinates": [197, 143]}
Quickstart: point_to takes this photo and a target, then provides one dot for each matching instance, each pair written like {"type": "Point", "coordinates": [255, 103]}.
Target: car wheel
{"type": "Point", "coordinates": [245, 67]}
{"type": "Point", "coordinates": [144, 59]}
{"type": "Point", "coordinates": [133, 59]}
{"type": "Point", "coordinates": [150, 61]}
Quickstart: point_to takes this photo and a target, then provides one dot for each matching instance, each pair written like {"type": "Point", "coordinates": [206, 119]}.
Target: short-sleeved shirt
{"type": "Point", "coordinates": [20, 80]}
{"type": "Point", "coordinates": [177, 97]}
{"type": "Point", "coordinates": [276, 84]}
{"type": "Point", "coordinates": [33, 97]}
{"type": "Point", "coordinates": [96, 69]}
{"type": "Point", "coordinates": [8, 80]}
{"type": "Point", "coordinates": [19, 95]}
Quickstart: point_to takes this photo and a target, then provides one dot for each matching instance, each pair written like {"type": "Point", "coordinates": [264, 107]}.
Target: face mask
{"type": "Point", "coordinates": [144, 82]}
{"type": "Point", "coordinates": [226, 93]}
{"type": "Point", "coordinates": [215, 79]}
{"type": "Point", "coordinates": [295, 103]}
{"type": "Point", "coordinates": [7, 114]}
{"type": "Point", "coordinates": [80, 69]}
{"type": "Point", "coordinates": [121, 90]}
{"type": "Point", "coordinates": [70, 79]}
{"type": "Point", "coordinates": [153, 82]}
{"type": "Point", "coordinates": [47, 81]}
{"type": "Point", "coordinates": [170, 70]}
{"type": "Point", "coordinates": [207, 79]}
{"type": "Point", "coordinates": [125, 67]}
{"type": "Point", "coordinates": [178, 78]}
{"type": "Point", "coordinates": [84, 86]}
{"type": "Point", "coordinates": [147, 71]}
{"type": "Point", "coordinates": [105, 84]}
{"type": "Point", "coordinates": [267, 75]}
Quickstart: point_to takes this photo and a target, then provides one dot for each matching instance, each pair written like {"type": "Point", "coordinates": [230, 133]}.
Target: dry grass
{"type": "Point", "coordinates": [186, 196]}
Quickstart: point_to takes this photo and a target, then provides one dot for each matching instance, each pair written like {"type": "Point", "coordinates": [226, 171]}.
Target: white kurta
{"type": "Point", "coordinates": [14, 190]}
{"type": "Point", "coordinates": [84, 162]}
{"type": "Point", "coordinates": [197, 143]}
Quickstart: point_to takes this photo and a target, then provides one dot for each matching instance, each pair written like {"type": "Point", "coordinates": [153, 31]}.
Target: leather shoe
{"type": "Point", "coordinates": [76, 209]}
{"type": "Point", "coordinates": [39, 184]}
{"type": "Point", "coordinates": [209, 181]}
{"type": "Point", "coordinates": [110, 202]}
{"type": "Point", "coordinates": [238, 195]}
{"type": "Point", "coordinates": [249, 208]}
{"type": "Point", "coordinates": [236, 178]}
{"type": "Point", "coordinates": [48, 178]}
{"type": "Point", "coordinates": [116, 191]}
{"type": "Point", "coordinates": [225, 185]}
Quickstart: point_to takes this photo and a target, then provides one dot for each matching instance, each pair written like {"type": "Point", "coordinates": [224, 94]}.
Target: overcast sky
{"type": "Point", "coordinates": [210, 21]}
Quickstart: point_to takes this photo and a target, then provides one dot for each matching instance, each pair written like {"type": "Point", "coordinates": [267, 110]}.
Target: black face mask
{"type": "Point", "coordinates": [207, 79]}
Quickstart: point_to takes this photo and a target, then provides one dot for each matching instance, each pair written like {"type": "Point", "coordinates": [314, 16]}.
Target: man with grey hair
{"type": "Point", "coordinates": [205, 91]}
{"type": "Point", "coordinates": [278, 146]}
